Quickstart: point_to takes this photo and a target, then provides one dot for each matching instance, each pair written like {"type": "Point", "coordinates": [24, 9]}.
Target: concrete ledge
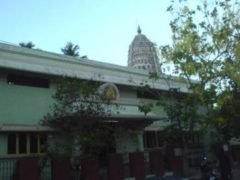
{"type": "Point", "coordinates": [151, 176]}
{"type": "Point", "coordinates": [130, 178]}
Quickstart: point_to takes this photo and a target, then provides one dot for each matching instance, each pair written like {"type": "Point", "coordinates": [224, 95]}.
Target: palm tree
{"type": "Point", "coordinates": [70, 49]}
{"type": "Point", "coordinates": [29, 44]}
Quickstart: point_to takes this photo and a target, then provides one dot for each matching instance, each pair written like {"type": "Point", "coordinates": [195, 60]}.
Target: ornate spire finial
{"type": "Point", "coordinates": [139, 30]}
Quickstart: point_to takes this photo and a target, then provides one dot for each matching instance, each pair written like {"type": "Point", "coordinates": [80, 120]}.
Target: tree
{"type": "Point", "coordinates": [71, 50]}
{"type": "Point", "coordinates": [29, 45]}
{"type": "Point", "coordinates": [78, 116]}
{"type": "Point", "coordinates": [181, 109]}
{"type": "Point", "coordinates": [205, 47]}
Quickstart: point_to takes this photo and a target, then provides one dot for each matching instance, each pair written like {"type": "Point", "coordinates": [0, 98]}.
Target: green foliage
{"type": "Point", "coordinates": [182, 111]}
{"type": "Point", "coordinates": [228, 115]}
{"type": "Point", "coordinates": [78, 116]}
{"type": "Point", "coordinates": [71, 50]}
{"type": "Point", "coordinates": [206, 47]}
{"type": "Point", "coordinates": [145, 108]}
{"type": "Point", "coordinates": [184, 115]}
{"type": "Point", "coordinates": [153, 75]}
{"type": "Point", "coordinates": [29, 45]}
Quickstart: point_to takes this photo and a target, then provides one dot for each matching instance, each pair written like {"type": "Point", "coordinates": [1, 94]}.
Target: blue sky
{"type": "Point", "coordinates": [102, 28]}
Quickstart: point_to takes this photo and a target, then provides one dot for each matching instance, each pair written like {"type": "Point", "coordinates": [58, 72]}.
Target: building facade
{"type": "Point", "coordinates": [27, 85]}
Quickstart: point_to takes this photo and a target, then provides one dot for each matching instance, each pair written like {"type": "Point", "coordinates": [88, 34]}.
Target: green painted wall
{"type": "Point", "coordinates": [128, 141]}
{"type": "Point", "coordinates": [23, 104]}
{"type": "Point", "coordinates": [3, 144]}
{"type": "Point", "coordinates": [27, 105]}
{"type": "Point", "coordinates": [127, 92]}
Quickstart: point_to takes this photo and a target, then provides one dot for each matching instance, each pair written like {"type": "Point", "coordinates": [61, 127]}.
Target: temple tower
{"type": "Point", "coordinates": [142, 54]}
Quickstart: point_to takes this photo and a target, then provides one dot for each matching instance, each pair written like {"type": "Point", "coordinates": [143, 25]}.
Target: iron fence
{"type": "Point", "coordinates": [8, 169]}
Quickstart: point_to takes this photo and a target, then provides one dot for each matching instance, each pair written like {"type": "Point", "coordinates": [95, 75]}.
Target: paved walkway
{"type": "Point", "coordinates": [235, 174]}
{"type": "Point", "coordinates": [169, 176]}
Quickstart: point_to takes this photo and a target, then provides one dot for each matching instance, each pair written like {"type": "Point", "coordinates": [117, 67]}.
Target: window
{"type": "Point", "coordinates": [24, 80]}
{"type": "Point", "coordinates": [22, 139]}
{"type": "Point", "coordinates": [150, 94]}
{"type": "Point", "coordinates": [43, 142]}
{"type": "Point", "coordinates": [24, 143]}
{"type": "Point", "coordinates": [12, 144]}
{"type": "Point", "coordinates": [33, 143]}
{"type": "Point", "coordinates": [152, 139]}
{"type": "Point", "coordinates": [193, 139]}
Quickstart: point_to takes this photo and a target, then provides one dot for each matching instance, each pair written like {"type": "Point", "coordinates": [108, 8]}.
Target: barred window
{"type": "Point", "coordinates": [26, 143]}
{"type": "Point", "coordinates": [152, 139]}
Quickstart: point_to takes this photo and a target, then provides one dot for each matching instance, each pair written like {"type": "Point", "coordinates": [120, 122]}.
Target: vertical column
{"type": "Point", "coordinates": [61, 169]}
{"type": "Point", "coordinates": [137, 166]}
{"type": "Point", "coordinates": [27, 169]}
{"type": "Point", "coordinates": [140, 145]}
{"type": "Point", "coordinates": [235, 151]}
{"type": "Point", "coordinates": [90, 169]}
{"type": "Point", "coordinates": [156, 162]}
{"type": "Point", "coordinates": [115, 167]}
{"type": "Point", "coordinates": [225, 161]}
{"type": "Point", "coordinates": [174, 159]}
{"type": "Point", "coordinates": [178, 163]}
{"type": "Point", "coordinates": [168, 158]}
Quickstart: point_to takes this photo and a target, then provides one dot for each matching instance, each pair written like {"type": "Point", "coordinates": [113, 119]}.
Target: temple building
{"type": "Point", "coordinates": [27, 83]}
{"type": "Point", "coordinates": [142, 54]}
